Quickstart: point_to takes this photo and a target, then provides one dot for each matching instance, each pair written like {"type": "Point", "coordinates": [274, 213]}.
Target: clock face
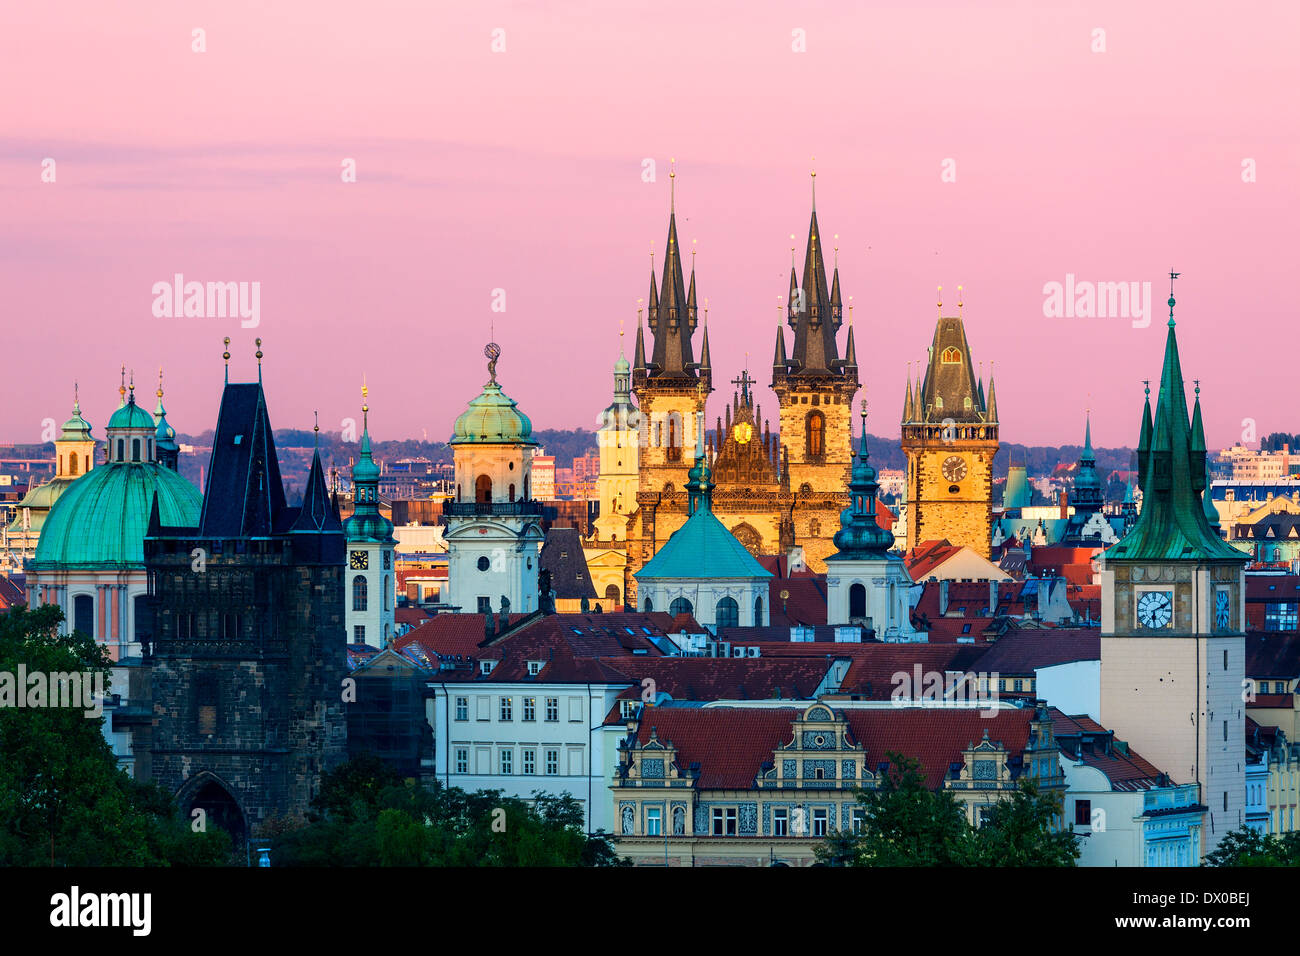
{"type": "Point", "coordinates": [359, 560]}
{"type": "Point", "coordinates": [1222, 609]}
{"type": "Point", "coordinates": [1155, 609]}
{"type": "Point", "coordinates": [954, 468]}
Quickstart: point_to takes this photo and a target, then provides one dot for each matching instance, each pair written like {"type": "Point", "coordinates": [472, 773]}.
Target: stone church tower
{"type": "Point", "coordinates": [775, 491]}
{"type": "Point", "coordinates": [1172, 617]}
{"type": "Point", "coordinates": [950, 435]}
{"type": "Point", "coordinates": [247, 658]}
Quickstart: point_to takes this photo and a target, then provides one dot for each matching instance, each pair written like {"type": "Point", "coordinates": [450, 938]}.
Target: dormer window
{"type": "Point", "coordinates": [534, 668]}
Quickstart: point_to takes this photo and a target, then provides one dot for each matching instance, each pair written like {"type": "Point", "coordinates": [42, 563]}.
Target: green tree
{"type": "Point", "coordinates": [1023, 831]}
{"type": "Point", "coordinates": [365, 816]}
{"type": "Point", "coordinates": [1247, 847]}
{"type": "Point", "coordinates": [63, 800]}
{"type": "Point", "coordinates": [906, 824]}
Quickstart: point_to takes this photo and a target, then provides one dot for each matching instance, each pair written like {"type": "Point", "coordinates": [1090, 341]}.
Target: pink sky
{"type": "Point", "coordinates": [522, 170]}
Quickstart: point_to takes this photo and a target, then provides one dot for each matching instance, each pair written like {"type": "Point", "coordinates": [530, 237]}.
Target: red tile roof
{"type": "Point", "coordinates": [1020, 651]}
{"type": "Point", "coordinates": [732, 744]}
{"type": "Point", "coordinates": [926, 557]}
{"type": "Point", "coordinates": [1126, 772]}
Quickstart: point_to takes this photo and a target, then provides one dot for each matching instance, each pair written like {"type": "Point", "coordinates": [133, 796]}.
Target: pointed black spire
{"type": "Point", "coordinates": [672, 315]}
{"type": "Point", "coordinates": [814, 315]}
{"type": "Point", "coordinates": [316, 514]}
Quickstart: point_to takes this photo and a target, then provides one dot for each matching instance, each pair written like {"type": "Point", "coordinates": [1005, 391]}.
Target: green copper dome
{"type": "Point", "coordinates": [76, 428]}
{"type": "Point", "coordinates": [102, 517]}
{"type": "Point", "coordinates": [860, 534]}
{"type": "Point", "coordinates": [493, 418]}
{"type": "Point", "coordinates": [131, 415]}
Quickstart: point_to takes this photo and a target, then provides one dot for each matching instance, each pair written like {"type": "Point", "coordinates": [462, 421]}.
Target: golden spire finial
{"type": "Point", "coordinates": [814, 184]}
{"type": "Point", "coordinates": [620, 328]}
{"type": "Point", "coordinates": [132, 386]}
{"type": "Point", "coordinates": [365, 393]}
{"type": "Point", "coordinates": [837, 250]}
{"type": "Point", "coordinates": [706, 311]}
{"type": "Point", "coordinates": [959, 300]}
{"type": "Point", "coordinates": [160, 388]}
{"type": "Point", "coordinates": [694, 244]}
{"type": "Point", "coordinates": [121, 390]}
{"type": "Point", "coordinates": [940, 303]}
{"type": "Point", "coordinates": [792, 247]}
{"type": "Point", "coordinates": [672, 184]}
{"type": "Point", "coordinates": [778, 310]}
{"type": "Point", "coordinates": [850, 310]}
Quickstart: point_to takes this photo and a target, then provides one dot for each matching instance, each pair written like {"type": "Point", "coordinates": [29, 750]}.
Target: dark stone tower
{"type": "Point", "coordinates": [248, 658]}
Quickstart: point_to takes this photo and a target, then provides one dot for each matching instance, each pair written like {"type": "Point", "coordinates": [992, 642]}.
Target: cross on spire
{"type": "Point", "coordinates": [744, 381]}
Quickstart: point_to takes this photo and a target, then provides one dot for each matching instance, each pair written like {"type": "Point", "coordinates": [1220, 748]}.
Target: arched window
{"type": "Point", "coordinates": [483, 489]}
{"type": "Point", "coordinates": [121, 450]}
{"type": "Point", "coordinates": [951, 356]}
{"type": "Point", "coordinates": [857, 601]}
{"type": "Point", "coordinates": [816, 437]}
{"type": "Point", "coordinates": [727, 613]}
{"type": "Point", "coordinates": [72, 464]}
{"type": "Point", "coordinates": [83, 614]}
{"type": "Point", "coordinates": [135, 449]}
{"type": "Point", "coordinates": [649, 604]}
{"type": "Point", "coordinates": [388, 593]}
{"type": "Point", "coordinates": [674, 437]}
{"type": "Point", "coordinates": [526, 483]}
{"type": "Point", "coordinates": [359, 593]}
{"type": "Point", "coordinates": [512, 492]}
{"type": "Point", "coordinates": [758, 611]}
{"type": "Point", "coordinates": [681, 606]}
{"type": "Point", "coordinates": [611, 595]}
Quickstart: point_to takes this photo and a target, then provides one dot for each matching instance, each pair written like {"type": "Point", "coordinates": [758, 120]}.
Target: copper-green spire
{"type": "Point", "coordinates": [860, 535]}
{"type": "Point", "coordinates": [699, 487]}
{"type": "Point", "coordinates": [1173, 524]}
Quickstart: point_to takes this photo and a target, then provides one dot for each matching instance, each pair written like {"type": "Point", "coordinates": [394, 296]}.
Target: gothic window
{"type": "Point", "coordinates": [938, 402]}
{"type": "Point", "coordinates": [359, 593]}
{"type": "Point", "coordinates": [649, 605]}
{"type": "Point", "coordinates": [816, 434]}
{"type": "Point", "coordinates": [857, 601]}
{"type": "Point", "coordinates": [680, 606]}
{"type": "Point", "coordinates": [674, 437]}
{"type": "Point", "coordinates": [951, 356]}
{"type": "Point", "coordinates": [727, 613]}
{"type": "Point", "coordinates": [758, 612]}
{"type": "Point", "coordinates": [483, 489]}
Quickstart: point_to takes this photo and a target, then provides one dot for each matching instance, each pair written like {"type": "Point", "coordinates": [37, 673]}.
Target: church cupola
{"type": "Point", "coordinates": [165, 446]}
{"type": "Point", "coordinates": [131, 431]}
{"type": "Point", "coordinates": [860, 534]}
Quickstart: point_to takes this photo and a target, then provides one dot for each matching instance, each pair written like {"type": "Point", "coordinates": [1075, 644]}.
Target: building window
{"type": "Point", "coordinates": [530, 708]}
{"type": "Point", "coordinates": [674, 438]}
{"type": "Point", "coordinates": [627, 708]}
{"type": "Point", "coordinates": [483, 490]}
{"type": "Point", "coordinates": [230, 627]}
{"type": "Point", "coordinates": [653, 821]}
{"type": "Point", "coordinates": [815, 427]}
{"type": "Point", "coordinates": [780, 822]}
{"type": "Point", "coordinates": [552, 709]}
{"type": "Point", "coordinates": [507, 761]}
{"type": "Point", "coordinates": [758, 612]}
{"type": "Point", "coordinates": [1281, 616]}
{"type": "Point", "coordinates": [484, 605]}
{"type": "Point", "coordinates": [819, 823]}
{"type": "Point", "coordinates": [727, 613]}
{"type": "Point", "coordinates": [462, 708]}
{"type": "Point", "coordinates": [857, 818]}
{"type": "Point", "coordinates": [649, 605]}
{"type": "Point", "coordinates": [358, 633]}
{"type": "Point", "coordinates": [724, 821]}
{"type": "Point", "coordinates": [135, 449]}
{"type": "Point", "coordinates": [552, 763]}
{"type": "Point", "coordinates": [507, 708]}
{"type": "Point", "coordinates": [359, 593]}
{"type": "Point", "coordinates": [462, 760]}
{"type": "Point", "coordinates": [951, 356]}
{"type": "Point", "coordinates": [1019, 684]}
{"type": "Point", "coordinates": [1082, 813]}
{"type": "Point", "coordinates": [205, 692]}
{"type": "Point", "coordinates": [529, 760]}
{"type": "Point", "coordinates": [681, 606]}
{"type": "Point", "coordinates": [534, 668]}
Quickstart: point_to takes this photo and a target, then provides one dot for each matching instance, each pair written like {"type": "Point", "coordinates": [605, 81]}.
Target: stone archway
{"type": "Point", "coordinates": [748, 536]}
{"type": "Point", "coordinates": [207, 792]}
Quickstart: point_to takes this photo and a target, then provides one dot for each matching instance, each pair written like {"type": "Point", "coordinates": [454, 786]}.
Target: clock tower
{"type": "Point", "coordinates": [1173, 603]}
{"type": "Point", "coordinates": [370, 601]}
{"type": "Point", "coordinates": [950, 435]}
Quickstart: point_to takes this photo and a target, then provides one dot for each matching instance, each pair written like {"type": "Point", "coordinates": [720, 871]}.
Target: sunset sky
{"type": "Point", "coordinates": [523, 170]}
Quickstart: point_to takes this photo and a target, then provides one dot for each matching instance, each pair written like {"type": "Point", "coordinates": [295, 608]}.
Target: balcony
{"type": "Point", "coordinates": [493, 509]}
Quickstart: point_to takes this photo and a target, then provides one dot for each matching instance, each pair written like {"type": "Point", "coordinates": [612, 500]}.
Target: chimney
{"type": "Point", "coordinates": [993, 597]}
{"type": "Point", "coordinates": [1065, 505]}
{"type": "Point", "coordinates": [943, 597]}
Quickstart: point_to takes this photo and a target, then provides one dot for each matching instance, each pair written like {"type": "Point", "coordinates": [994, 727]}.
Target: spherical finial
{"type": "Point", "coordinates": [226, 354]}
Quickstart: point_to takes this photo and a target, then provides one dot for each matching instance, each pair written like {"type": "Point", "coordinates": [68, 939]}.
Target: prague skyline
{"type": "Point", "coordinates": [995, 150]}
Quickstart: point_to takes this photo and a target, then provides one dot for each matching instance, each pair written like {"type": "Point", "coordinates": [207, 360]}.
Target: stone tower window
{"type": "Point", "coordinates": [72, 464]}
{"type": "Point", "coordinates": [816, 434]}
{"type": "Point", "coordinates": [951, 356]}
{"type": "Point", "coordinates": [360, 595]}
{"type": "Point", "coordinates": [483, 489]}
